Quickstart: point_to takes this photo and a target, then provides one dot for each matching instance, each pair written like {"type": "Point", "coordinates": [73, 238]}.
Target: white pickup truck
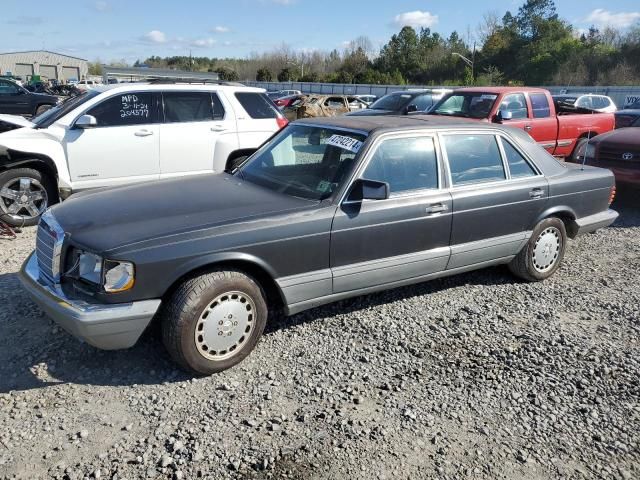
{"type": "Point", "coordinates": [119, 134]}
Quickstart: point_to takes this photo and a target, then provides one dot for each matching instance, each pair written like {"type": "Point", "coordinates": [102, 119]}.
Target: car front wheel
{"type": "Point", "coordinates": [213, 321]}
{"type": "Point", "coordinates": [543, 253]}
{"type": "Point", "coordinates": [24, 195]}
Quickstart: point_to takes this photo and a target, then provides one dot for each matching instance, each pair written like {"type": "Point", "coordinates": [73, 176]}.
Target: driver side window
{"type": "Point", "coordinates": [125, 109]}
{"type": "Point", "coordinates": [405, 164]}
{"type": "Point", "coordinates": [8, 88]}
{"type": "Point", "coordinates": [516, 103]}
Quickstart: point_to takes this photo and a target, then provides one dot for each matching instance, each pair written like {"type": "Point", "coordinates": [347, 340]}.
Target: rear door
{"type": "Point", "coordinates": [193, 124]}
{"type": "Point", "coordinates": [375, 242]}
{"type": "Point", "coordinates": [257, 118]}
{"type": "Point", "coordinates": [497, 194]}
{"type": "Point", "coordinates": [122, 148]}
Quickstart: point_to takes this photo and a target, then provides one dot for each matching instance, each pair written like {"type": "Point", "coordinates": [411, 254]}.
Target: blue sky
{"type": "Point", "coordinates": [116, 29]}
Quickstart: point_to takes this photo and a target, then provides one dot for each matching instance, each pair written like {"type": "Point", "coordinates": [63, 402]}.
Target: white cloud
{"type": "Point", "coordinates": [203, 42]}
{"type": "Point", "coordinates": [155, 36]}
{"type": "Point", "coordinates": [101, 6]}
{"type": "Point", "coordinates": [220, 29]}
{"type": "Point", "coordinates": [604, 18]}
{"type": "Point", "coordinates": [416, 19]}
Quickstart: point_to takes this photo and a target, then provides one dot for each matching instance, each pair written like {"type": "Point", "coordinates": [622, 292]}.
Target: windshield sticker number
{"type": "Point", "coordinates": [346, 143]}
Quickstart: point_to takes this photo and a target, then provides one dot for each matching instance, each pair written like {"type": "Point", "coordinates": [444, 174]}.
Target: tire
{"type": "Point", "coordinates": [41, 109]}
{"type": "Point", "coordinates": [578, 152]}
{"type": "Point", "coordinates": [238, 307]}
{"type": "Point", "coordinates": [25, 194]}
{"type": "Point", "coordinates": [543, 253]}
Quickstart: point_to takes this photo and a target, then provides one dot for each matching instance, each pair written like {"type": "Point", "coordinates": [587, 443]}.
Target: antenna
{"type": "Point", "coordinates": [584, 157]}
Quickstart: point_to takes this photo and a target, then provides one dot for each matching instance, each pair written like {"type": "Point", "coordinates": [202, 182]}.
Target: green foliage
{"type": "Point", "coordinates": [285, 75]}
{"type": "Point", "coordinates": [264, 75]}
{"type": "Point", "coordinates": [227, 74]}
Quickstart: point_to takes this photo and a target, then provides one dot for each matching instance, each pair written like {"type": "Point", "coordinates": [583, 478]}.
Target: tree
{"type": "Point", "coordinates": [95, 68]}
{"type": "Point", "coordinates": [264, 75]}
{"type": "Point", "coordinates": [285, 75]}
{"type": "Point", "coordinates": [227, 74]}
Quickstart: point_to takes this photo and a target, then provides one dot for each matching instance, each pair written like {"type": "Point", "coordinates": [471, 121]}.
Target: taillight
{"type": "Point", "coordinates": [282, 122]}
{"type": "Point", "coordinates": [612, 195]}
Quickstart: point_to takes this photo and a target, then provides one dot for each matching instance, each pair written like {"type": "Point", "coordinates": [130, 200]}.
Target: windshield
{"type": "Point", "coordinates": [468, 105]}
{"type": "Point", "coordinates": [393, 101]}
{"type": "Point", "coordinates": [305, 161]}
{"type": "Point", "coordinates": [48, 117]}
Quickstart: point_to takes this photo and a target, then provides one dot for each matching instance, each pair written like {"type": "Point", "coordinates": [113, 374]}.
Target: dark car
{"type": "Point", "coordinates": [619, 151]}
{"type": "Point", "coordinates": [628, 118]}
{"type": "Point", "coordinates": [632, 106]}
{"type": "Point", "coordinates": [17, 100]}
{"type": "Point", "coordinates": [329, 208]}
{"type": "Point", "coordinates": [403, 103]}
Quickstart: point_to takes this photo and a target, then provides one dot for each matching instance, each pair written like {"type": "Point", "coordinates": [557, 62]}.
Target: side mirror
{"type": "Point", "coordinates": [412, 108]}
{"type": "Point", "coordinates": [503, 115]}
{"type": "Point", "coordinates": [86, 121]}
{"type": "Point", "coordinates": [363, 189]}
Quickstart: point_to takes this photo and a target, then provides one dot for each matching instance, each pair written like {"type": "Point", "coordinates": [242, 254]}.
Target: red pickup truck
{"type": "Point", "coordinates": [563, 133]}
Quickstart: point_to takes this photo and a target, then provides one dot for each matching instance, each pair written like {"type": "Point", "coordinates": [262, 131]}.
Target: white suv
{"type": "Point", "coordinates": [118, 134]}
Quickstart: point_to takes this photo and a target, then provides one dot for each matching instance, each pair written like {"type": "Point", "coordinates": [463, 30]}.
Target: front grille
{"type": "Point", "coordinates": [49, 241]}
{"type": "Point", "coordinates": [617, 155]}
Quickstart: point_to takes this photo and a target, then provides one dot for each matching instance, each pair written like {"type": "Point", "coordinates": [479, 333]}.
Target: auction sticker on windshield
{"type": "Point", "coordinates": [346, 143]}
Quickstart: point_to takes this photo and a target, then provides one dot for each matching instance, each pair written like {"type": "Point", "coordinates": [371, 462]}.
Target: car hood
{"type": "Point", "coordinates": [17, 120]}
{"type": "Point", "coordinates": [368, 112]}
{"type": "Point", "coordinates": [621, 138]}
{"type": "Point", "coordinates": [123, 218]}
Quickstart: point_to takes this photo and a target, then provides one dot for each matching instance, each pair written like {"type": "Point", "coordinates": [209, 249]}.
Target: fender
{"type": "Point", "coordinates": [225, 145]}
{"type": "Point", "coordinates": [563, 211]}
{"type": "Point", "coordinates": [251, 261]}
{"type": "Point", "coordinates": [25, 143]}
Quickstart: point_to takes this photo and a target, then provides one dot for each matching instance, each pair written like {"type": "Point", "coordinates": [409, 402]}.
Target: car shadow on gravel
{"type": "Point", "coordinates": [35, 353]}
{"type": "Point", "coordinates": [627, 204]}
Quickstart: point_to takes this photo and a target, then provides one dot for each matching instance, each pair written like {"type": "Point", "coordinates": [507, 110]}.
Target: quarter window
{"type": "Point", "coordinates": [540, 105]}
{"type": "Point", "coordinates": [257, 105]}
{"type": "Point", "coordinates": [125, 109]}
{"type": "Point", "coordinates": [187, 107]}
{"type": "Point", "coordinates": [518, 166]}
{"type": "Point", "coordinates": [474, 159]}
{"type": "Point", "coordinates": [405, 164]}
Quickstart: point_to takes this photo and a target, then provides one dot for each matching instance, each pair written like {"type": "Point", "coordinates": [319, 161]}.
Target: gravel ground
{"type": "Point", "coordinates": [475, 376]}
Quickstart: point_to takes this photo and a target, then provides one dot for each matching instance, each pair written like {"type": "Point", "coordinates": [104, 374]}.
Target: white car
{"type": "Point", "coordinates": [118, 134]}
{"type": "Point", "coordinates": [87, 84]}
{"type": "Point", "coordinates": [597, 103]}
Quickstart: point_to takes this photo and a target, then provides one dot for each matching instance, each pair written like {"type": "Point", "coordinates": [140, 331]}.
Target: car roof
{"type": "Point", "coordinates": [498, 90]}
{"type": "Point", "coordinates": [144, 86]}
{"type": "Point", "coordinates": [373, 123]}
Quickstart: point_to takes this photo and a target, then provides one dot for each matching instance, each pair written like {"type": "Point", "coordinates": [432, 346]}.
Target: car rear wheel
{"type": "Point", "coordinates": [24, 195]}
{"type": "Point", "coordinates": [543, 253]}
{"type": "Point", "coordinates": [213, 321]}
{"type": "Point", "coordinates": [42, 109]}
{"type": "Point", "coordinates": [577, 156]}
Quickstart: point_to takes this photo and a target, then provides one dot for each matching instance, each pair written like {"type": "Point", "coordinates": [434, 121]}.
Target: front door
{"type": "Point", "coordinates": [13, 99]}
{"type": "Point", "coordinates": [495, 200]}
{"type": "Point", "coordinates": [378, 242]}
{"type": "Point", "coordinates": [121, 148]}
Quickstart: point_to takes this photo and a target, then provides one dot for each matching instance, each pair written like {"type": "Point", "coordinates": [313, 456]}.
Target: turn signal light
{"type": "Point", "coordinates": [612, 195]}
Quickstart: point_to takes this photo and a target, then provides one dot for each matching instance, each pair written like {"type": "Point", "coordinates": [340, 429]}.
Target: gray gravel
{"type": "Point", "coordinates": [475, 376]}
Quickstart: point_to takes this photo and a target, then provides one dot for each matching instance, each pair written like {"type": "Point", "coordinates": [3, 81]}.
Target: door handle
{"type": "Point", "coordinates": [536, 193]}
{"type": "Point", "coordinates": [528, 128]}
{"type": "Point", "coordinates": [143, 133]}
{"type": "Point", "coordinates": [436, 208]}
{"type": "Point", "coordinates": [218, 128]}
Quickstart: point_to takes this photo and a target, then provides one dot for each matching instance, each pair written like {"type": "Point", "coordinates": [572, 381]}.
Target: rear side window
{"type": "Point", "coordinates": [474, 159]}
{"type": "Point", "coordinates": [405, 163]}
{"type": "Point", "coordinates": [182, 107]}
{"type": "Point", "coordinates": [423, 102]}
{"type": "Point", "coordinates": [540, 105]}
{"type": "Point", "coordinates": [518, 166]}
{"type": "Point", "coordinates": [126, 109]}
{"type": "Point", "coordinates": [257, 105]}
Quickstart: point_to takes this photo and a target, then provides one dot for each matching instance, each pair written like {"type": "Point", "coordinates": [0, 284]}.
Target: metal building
{"type": "Point", "coordinates": [49, 65]}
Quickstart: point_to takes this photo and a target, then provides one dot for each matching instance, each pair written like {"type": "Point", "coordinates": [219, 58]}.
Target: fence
{"type": "Point", "coordinates": [621, 95]}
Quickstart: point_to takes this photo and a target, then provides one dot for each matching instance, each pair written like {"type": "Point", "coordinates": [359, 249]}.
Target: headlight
{"type": "Point", "coordinates": [90, 268]}
{"type": "Point", "coordinates": [118, 276]}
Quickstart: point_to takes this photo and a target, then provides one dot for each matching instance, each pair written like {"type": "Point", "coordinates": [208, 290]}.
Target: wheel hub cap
{"type": "Point", "coordinates": [546, 250]}
{"type": "Point", "coordinates": [23, 198]}
{"type": "Point", "coordinates": [225, 325]}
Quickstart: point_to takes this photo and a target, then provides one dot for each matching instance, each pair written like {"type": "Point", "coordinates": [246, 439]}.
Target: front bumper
{"type": "Point", "coordinates": [108, 327]}
{"type": "Point", "coordinates": [592, 223]}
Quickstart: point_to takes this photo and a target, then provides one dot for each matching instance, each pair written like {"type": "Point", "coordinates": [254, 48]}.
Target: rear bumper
{"type": "Point", "coordinates": [108, 327]}
{"type": "Point", "coordinates": [594, 222]}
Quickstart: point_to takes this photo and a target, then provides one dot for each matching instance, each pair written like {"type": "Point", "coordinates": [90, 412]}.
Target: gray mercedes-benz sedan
{"type": "Point", "coordinates": [327, 209]}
